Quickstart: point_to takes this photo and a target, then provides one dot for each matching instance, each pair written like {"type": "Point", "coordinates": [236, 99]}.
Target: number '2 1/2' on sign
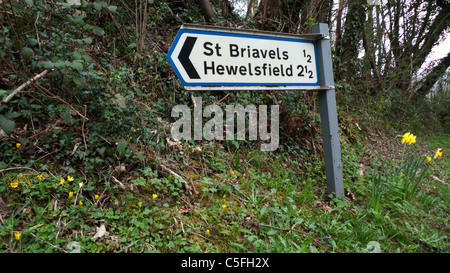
{"type": "Point", "coordinates": [304, 69]}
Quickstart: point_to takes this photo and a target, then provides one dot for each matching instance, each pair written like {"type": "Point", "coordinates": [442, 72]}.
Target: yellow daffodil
{"type": "Point", "coordinates": [409, 138]}
{"type": "Point", "coordinates": [71, 194]}
{"type": "Point", "coordinates": [428, 158]}
{"type": "Point", "coordinates": [18, 145]}
{"type": "Point", "coordinates": [69, 178]}
{"type": "Point", "coordinates": [17, 235]}
{"type": "Point", "coordinates": [154, 196]}
{"type": "Point", "coordinates": [438, 153]}
{"type": "Point", "coordinates": [14, 184]}
{"type": "Point", "coordinates": [405, 137]}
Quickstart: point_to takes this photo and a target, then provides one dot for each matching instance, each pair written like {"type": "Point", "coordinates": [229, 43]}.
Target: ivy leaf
{"type": "Point", "coordinates": [26, 52]}
{"type": "Point", "coordinates": [87, 40]}
{"type": "Point", "coordinates": [78, 80]}
{"type": "Point", "coordinates": [31, 42]}
{"type": "Point", "coordinates": [121, 145]}
{"type": "Point", "coordinates": [78, 65]}
{"type": "Point", "coordinates": [29, 2]}
{"type": "Point", "coordinates": [48, 65]}
{"type": "Point", "coordinates": [7, 125]}
{"type": "Point", "coordinates": [120, 100]}
{"type": "Point", "coordinates": [112, 8]}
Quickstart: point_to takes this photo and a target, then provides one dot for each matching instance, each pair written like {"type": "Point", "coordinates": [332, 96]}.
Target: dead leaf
{"type": "Point", "coordinates": [100, 231]}
{"type": "Point", "coordinates": [361, 169]}
{"type": "Point", "coordinates": [172, 144]}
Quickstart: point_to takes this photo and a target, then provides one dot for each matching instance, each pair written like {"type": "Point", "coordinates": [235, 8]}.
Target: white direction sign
{"type": "Point", "coordinates": [209, 58]}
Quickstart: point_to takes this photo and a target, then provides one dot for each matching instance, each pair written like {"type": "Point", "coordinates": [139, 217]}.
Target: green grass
{"type": "Point", "coordinates": [272, 203]}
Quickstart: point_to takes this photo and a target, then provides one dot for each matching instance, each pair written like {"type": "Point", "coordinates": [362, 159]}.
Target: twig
{"type": "Point", "coordinates": [48, 243]}
{"type": "Point", "coordinates": [288, 229]}
{"type": "Point", "coordinates": [177, 175]}
{"type": "Point", "coordinates": [40, 87]}
{"type": "Point", "coordinates": [20, 88]}
{"type": "Point", "coordinates": [84, 136]}
{"type": "Point", "coordinates": [222, 99]}
{"type": "Point", "coordinates": [15, 168]}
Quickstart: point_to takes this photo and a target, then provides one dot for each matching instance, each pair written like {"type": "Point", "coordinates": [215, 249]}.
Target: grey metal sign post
{"type": "Point", "coordinates": [215, 58]}
{"type": "Point", "coordinates": [328, 115]}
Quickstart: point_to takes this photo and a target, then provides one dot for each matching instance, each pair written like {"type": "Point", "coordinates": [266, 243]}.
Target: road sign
{"type": "Point", "coordinates": [208, 58]}
{"type": "Point", "coordinates": [214, 58]}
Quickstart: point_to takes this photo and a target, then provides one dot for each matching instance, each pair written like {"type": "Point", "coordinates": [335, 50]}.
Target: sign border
{"type": "Point", "coordinates": [219, 31]}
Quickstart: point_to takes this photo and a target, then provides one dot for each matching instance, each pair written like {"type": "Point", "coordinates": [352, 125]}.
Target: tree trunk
{"type": "Point", "coordinates": [432, 77]}
{"type": "Point", "coordinates": [347, 45]}
{"type": "Point", "coordinates": [207, 10]}
{"type": "Point", "coordinates": [267, 11]}
{"type": "Point", "coordinates": [371, 58]}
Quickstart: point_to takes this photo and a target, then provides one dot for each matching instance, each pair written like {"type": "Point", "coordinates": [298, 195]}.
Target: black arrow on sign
{"type": "Point", "coordinates": [184, 58]}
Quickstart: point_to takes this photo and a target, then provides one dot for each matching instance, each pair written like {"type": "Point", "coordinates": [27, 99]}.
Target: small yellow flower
{"type": "Point", "coordinates": [40, 177]}
{"type": "Point", "coordinates": [434, 187]}
{"type": "Point", "coordinates": [69, 178]}
{"type": "Point", "coordinates": [428, 158]}
{"type": "Point", "coordinates": [438, 153]}
{"type": "Point", "coordinates": [224, 196]}
{"type": "Point", "coordinates": [17, 235]}
{"type": "Point", "coordinates": [14, 184]}
{"type": "Point", "coordinates": [207, 232]}
{"type": "Point", "coordinates": [18, 145]}
{"type": "Point", "coordinates": [224, 206]}
{"type": "Point", "coordinates": [154, 196]}
{"type": "Point", "coordinates": [140, 204]}
{"type": "Point", "coordinates": [249, 153]}
{"type": "Point", "coordinates": [71, 194]}
{"type": "Point", "coordinates": [387, 217]}
{"type": "Point", "coordinates": [96, 197]}
{"type": "Point", "coordinates": [80, 184]}
{"type": "Point", "coordinates": [62, 181]}
{"type": "Point", "coordinates": [80, 203]}
{"type": "Point", "coordinates": [232, 172]}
